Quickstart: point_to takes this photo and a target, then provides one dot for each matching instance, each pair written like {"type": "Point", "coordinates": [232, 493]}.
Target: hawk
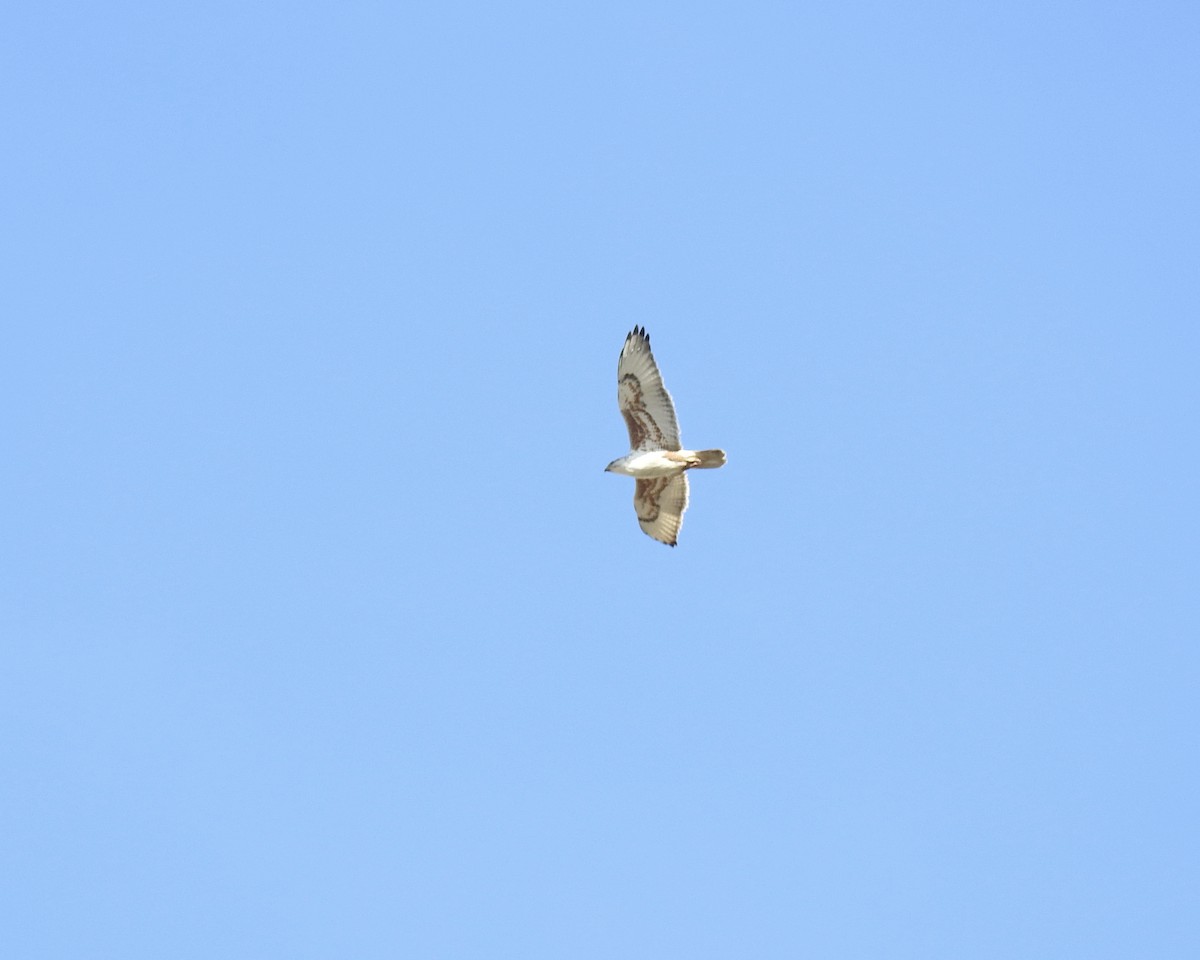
{"type": "Point", "coordinates": [655, 458]}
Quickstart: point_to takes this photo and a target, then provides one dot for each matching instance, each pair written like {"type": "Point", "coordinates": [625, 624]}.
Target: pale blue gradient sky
{"type": "Point", "coordinates": [325, 635]}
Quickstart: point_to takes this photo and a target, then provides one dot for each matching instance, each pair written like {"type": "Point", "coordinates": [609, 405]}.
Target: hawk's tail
{"type": "Point", "coordinates": [710, 459]}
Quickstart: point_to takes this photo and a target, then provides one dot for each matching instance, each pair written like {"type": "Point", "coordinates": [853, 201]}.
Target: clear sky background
{"type": "Point", "coordinates": [325, 635]}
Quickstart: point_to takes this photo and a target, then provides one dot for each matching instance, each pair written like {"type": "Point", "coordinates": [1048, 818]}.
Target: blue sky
{"type": "Point", "coordinates": [324, 632]}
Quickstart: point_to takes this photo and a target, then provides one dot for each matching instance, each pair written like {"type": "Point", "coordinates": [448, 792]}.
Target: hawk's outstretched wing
{"type": "Point", "coordinates": [660, 504]}
{"type": "Point", "coordinates": [644, 401]}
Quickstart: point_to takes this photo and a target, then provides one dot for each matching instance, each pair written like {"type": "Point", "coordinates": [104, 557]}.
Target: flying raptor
{"type": "Point", "coordinates": [655, 457]}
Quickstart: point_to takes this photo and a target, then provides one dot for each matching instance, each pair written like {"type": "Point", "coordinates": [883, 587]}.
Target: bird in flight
{"type": "Point", "coordinates": [655, 458]}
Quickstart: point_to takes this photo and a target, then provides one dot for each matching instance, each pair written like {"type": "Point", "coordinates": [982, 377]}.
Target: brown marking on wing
{"type": "Point", "coordinates": [637, 432]}
{"type": "Point", "coordinates": [660, 504]}
{"type": "Point", "coordinates": [637, 418]}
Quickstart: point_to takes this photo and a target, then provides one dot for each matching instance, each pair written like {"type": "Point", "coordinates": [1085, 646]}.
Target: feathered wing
{"type": "Point", "coordinates": [660, 504]}
{"type": "Point", "coordinates": [645, 404]}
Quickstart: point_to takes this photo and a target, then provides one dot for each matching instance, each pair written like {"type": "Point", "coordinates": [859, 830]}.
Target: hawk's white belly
{"type": "Point", "coordinates": [651, 463]}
